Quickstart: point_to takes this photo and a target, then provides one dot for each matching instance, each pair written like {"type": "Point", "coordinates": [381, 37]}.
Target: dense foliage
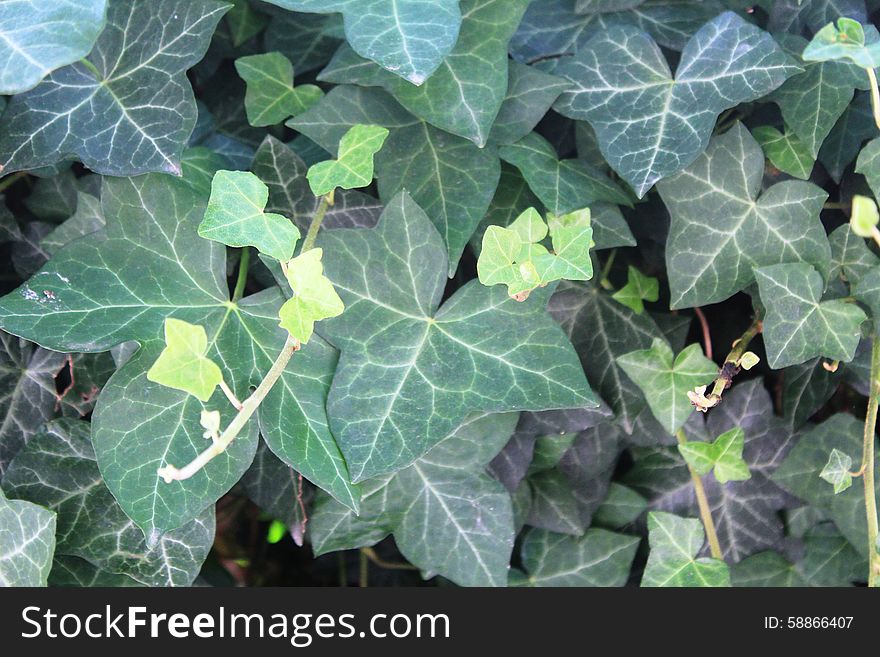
{"type": "Point", "coordinates": [495, 292]}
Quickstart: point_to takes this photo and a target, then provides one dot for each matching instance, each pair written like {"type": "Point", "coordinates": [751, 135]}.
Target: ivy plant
{"type": "Point", "coordinates": [482, 292]}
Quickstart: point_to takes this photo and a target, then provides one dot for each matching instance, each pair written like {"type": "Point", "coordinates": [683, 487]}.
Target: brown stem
{"type": "Point", "coordinates": [707, 337]}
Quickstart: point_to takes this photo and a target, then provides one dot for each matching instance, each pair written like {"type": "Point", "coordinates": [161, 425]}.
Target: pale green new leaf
{"type": "Point", "coordinates": [649, 124]}
{"type": "Point", "coordinates": [410, 38]}
{"type": "Point", "coordinates": [182, 365]}
{"type": "Point", "coordinates": [313, 297]}
{"type": "Point", "coordinates": [353, 166]}
{"type": "Point", "coordinates": [665, 381]}
{"type": "Point", "coordinates": [838, 470]}
{"type": "Point", "coordinates": [785, 151]}
{"type": "Point", "coordinates": [37, 37]}
{"type": "Point", "coordinates": [127, 108]}
{"type": "Point", "coordinates": [721, 228]}
{"type": "Point", "coordinates": [672, 561]}
{"type": "Point", "coordinates": [723, 456]}
{"type": "Point", "coordinates": [411, 370]}
{"type": "Point", "coordinates": [236, 216]}
{"type": "Point", "coordinates": [271, 97]}
{"type": "Point", "coordinates": [638, 289]}
{"type": "Point", "coordinates": [466, 92]}
{"type": "Point", "coordinates": [798, 325]}
{"type": "Point", "coordinates": [27, 543]}
{"type": "Point", "coordinates": [846, 40]}
{"type": "Point", "coordinates": [58, 470]}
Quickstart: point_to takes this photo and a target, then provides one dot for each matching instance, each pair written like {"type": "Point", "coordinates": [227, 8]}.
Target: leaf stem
{"type": "Point", "coordinates": [370, 553]}
{"type": "Point", "coordinates": [707, 336]}
{"type": "Point", "coordinates": [315, 226]}
{"type": "Point", "coordinates": [241, 281]}
{"type": "Point", "coordinates": [703, 504]}
{"type": "Point", "coordinates": [875, 95]}
{"type": "Point", "coordinates": [9, 180]}
{"type": "Point", "coordinates": [606, 269]}
{"type": "Point", "coordinates": [230, 395]}
{"type": "Point", "coordinates": [869, 438]}
{"type": "Point", "coordinates": [363, 576]}
{"type": "Point", "coordinates": [248, 407]}
{"type": "Point", "coordinates": [731, 364]}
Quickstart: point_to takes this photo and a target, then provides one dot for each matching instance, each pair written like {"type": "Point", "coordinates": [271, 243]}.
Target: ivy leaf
{"type": "Point", "coordinates": [96, 301]}
{"type": "Point", "coordinates": [445, 494]}
{"type": "Point", "coordinates": [236, 216]}
{"type": "Point", "coordinates": [271, 97]}
{"type": "Point", "coordinates": [57, 469]}
{"type": "Point", "coordinates": [354, 165]}
{"type": "Point", "coordinates": [409, 38]}
{"type": "Point", "coordinates": [785, 151]}
{"type": "Point", "coordinates": [672, 561]}
{"type": "Point", "coordinates": [466, 92]}
{"type": "Point", "coordinates": [27, 543]}
{"type": "Point", "coordinates": [807, 387]}
{"type": "Point", "coordinates": [665, 382]}
{"type": "Point", "coordinates": [723, 456]}
{"type": "Point", "coordinates": [837, 470]}
{"type": "Point", "coordinates": [114, 112]}
{"type": "Point", "coordinates": [76, 572]}
{"type": "Point", "coordinates": [598, 558]}
{"type": "Point", "coordinates": [530, 93]}
{"type": "Point", "coordinates": [799, 326]}
{"type": "Point", "coordinates": [313, 297]}
{"type": "Point", "coordinates": [638, 289]}
{"type": "Point", "coordinates": [411, 372]}
{"type": "Point", "coordinates": [845, 140]}
{"type": "Point", "coordinates": [563, 186]}
{"type": "Point", "coordinates": [846, 40]}
{"type": "Point", "coordinates": [37, 38]}
{"type": "Point", "coordinates": [244, 22]}
{"type": "Point", "coordinates": [721, 228]}
{"type": "Point", "coordinates": [182, 365]}
{"type": "Point", "coordinates": [649, 124]}
{"type": "Point", "coordinates": [621, 507]}
{"type": "Point", "coordinates": [868, 164]}
{"type": "Point", "coordinates": [308, 40]}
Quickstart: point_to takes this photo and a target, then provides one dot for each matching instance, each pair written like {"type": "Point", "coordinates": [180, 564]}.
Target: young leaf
{"type": "Point", "coordinates": [672, 561]}
{"type": "Point", "coordinates": [798, 325]}
{"type": "Point", "coordinates": [665, 381]}
{"type": "Point", "coordinates": [837, 470]}
{"type": "Point", "coordinates": [723, 456]}
{"type": "Point", "coordinates": [721, 228]}
{"type": "Point", "coordinates": [410, 372]}
{"type": "Point", "coordinates": [410, 38]}
{"type": "Point", "coordinates": [354, 164]}
{"type": "Point", "coordinates": [649, 124]}
{"type": "Point", "coordinates": [638, 289]}
{"type": "Point", "coordinates": [182, 365]}
{"type": "Point", "coordinates": [27, 543]}
{"type": "Point", "coordinates": [97, 300]}
{"type": "Point", "coordinates": [846, 40]}
{"type": "Point", "coordinates": [37, 38]}
{"type": "Point", "coordinates": [785, 151]}
{"type": "Point", "coordinates": [119, 116]}
{"type": "Point", "coordinates": [58, 470]}
{"type": "Point", "coordinates": [864, 218]}
{"type": "Point", "coordinates": [235, 216]}
{"type": "Point", "coordinates": [271, 97]}
{"type": "Point", "coordinates": [314, 297]}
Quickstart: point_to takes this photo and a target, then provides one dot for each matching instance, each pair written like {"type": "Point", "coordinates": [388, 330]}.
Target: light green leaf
{"type": "Point", "coordinates": [638, 289]}
{"type": "Point", "coordinates": [675, 543]}
{"type": "Point", "coordinates": [353, 167]}
{"type": "Point", "coordinates": [27, 543]}
{"type": "Point", "coordinates": [723, 456]}
{"type": "Point", "coordinates": [128, 107]}
{"type": "Point", "coordinates": [466, 92]}
{"type": "Point", "coordinates": [182, 365]}
{"type": "Point", "coordinates": [846, 40]}
{"type": "Point", "coordinates": [38, 37]}
{"type": "Point", "coordinates": [410, 38]}
{"type": "Point", "coordinates": [235, 216]}
{"type": "Point", "coordinates": [798, 325]}
{"type": "Point", "coordinates": [563, 186]}
{"type": "Point", "coordinates": [58, 470]}
{"type": "Point", "coordinates": [313, 298]}
{"type": "Point", "coordinates": [665, 382]}
{"type": "Point", "coordinates": [864, 217]}
{"type": "Point", "coordinates": [271, 97]}
{"type": "Point", "coordinates": [411, 372]}
{"type": "Point", "coordinates": [445, 495]}
{"type": "Point", "coordinates": [598, 558]}
{"type": "Point", "coordinates": [97, 300]}
{"type": "Point", "coordinates": [785, 151]}
{"type": "Point", "coordinates": [649, 124]}
{"type": "Point", "coordinates": [837, 470]}
{"type": "Point", "coordinates": [721, 228]}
